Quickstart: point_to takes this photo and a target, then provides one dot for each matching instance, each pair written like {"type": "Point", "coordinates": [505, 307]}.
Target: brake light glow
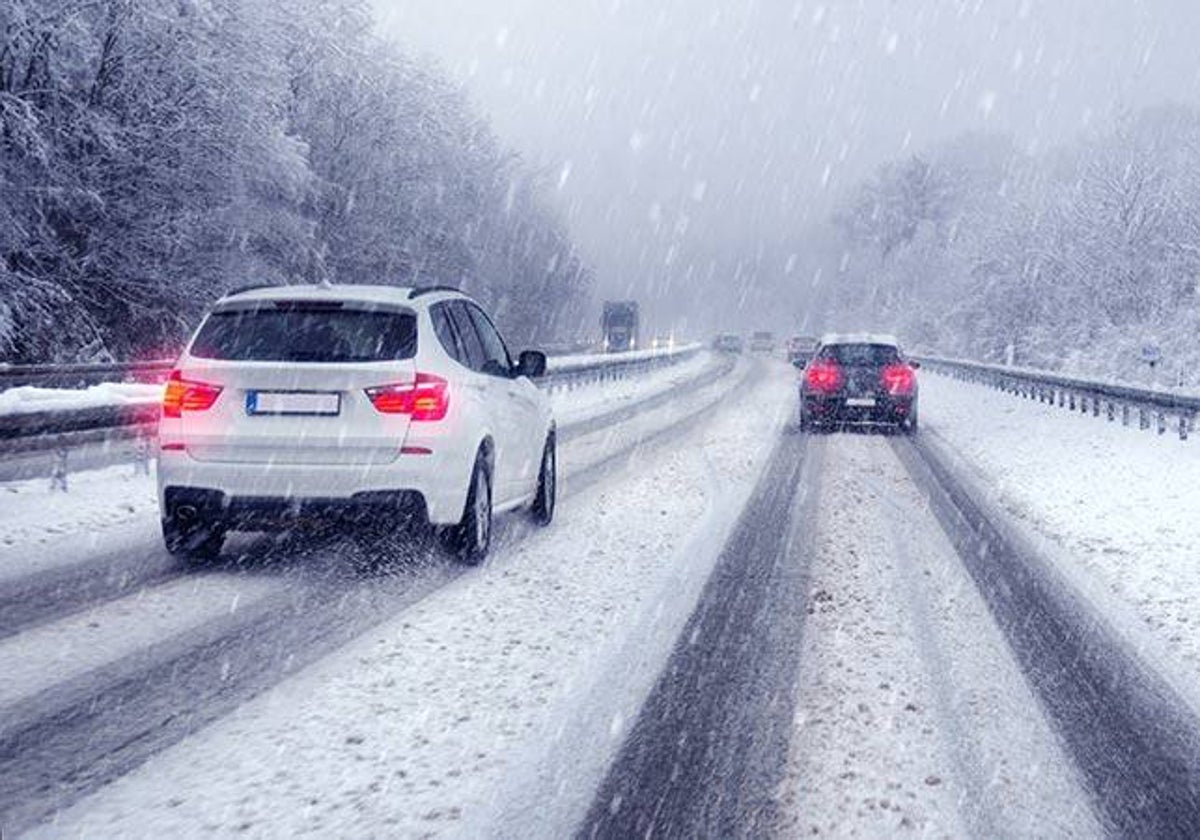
{"type": "Point", "coordinates": [898, 379]}
{"type": "Point", "coordinates": [187, 395]}
{"type": "Point", "coordinates": [424, 399]}
{"type": "Point", "coordinates": [823, 376]}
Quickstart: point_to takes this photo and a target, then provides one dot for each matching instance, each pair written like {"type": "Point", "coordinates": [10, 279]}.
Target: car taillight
{"type": "Point", "coordinates": [898, 379]}
{"type": "Point", "coordinates": [823, 376]}
{"type": "Point", "coordinates": [187, 395]}
{"type": "Point", "coordinates": [426, 398]}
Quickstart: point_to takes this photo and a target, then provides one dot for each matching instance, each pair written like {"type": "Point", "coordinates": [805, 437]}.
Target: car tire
{"type": "Point", "coordinates": [197, 540]}
{"type": "Point", "coordinates": [803, 423]}
{"type": "Point", "coordinates": [470, 540]}
{"type": "Point", "coordinates": [547, 488]}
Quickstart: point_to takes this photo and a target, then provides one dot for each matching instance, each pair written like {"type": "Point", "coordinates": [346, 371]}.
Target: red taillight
{"type": "Point", "coordinates": [187, 395]}
{"type": "Point", "coordinates": [823, 376]}
{"type": "Point", "coordinates": [898, 379]}
{"type": "Point", "coordinates": [424, 399]}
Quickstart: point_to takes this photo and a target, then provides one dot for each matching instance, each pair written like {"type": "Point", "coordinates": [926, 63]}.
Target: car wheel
{"type": "Point", "coordinates": [198, 539]}
{"type": "Point", "coordinates": [471, 539]}
{"type": "Point", "coordinates": [547, 489]}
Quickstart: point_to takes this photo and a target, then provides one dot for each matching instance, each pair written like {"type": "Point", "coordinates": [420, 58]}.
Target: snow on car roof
{"type": "Point", "coordinates": [860, 338]}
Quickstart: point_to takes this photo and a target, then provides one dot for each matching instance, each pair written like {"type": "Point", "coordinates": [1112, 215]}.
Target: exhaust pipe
{"type": "Point", "coordinates": [186, 513]}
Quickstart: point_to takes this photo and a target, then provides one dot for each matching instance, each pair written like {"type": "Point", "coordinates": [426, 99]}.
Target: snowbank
{"type": "Point", "coordinates": [28, 399]}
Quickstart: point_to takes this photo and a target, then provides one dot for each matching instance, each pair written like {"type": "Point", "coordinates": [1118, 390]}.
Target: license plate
{"type": "Point", "coordinates": [860, 402]}
{"type": "Point", "coordinates": [293, 402]}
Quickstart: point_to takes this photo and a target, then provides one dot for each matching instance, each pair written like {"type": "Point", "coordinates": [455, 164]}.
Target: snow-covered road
{"type": "Point", "coordinates": [731, 630]}
{"type": "Point", "coordinates": [914, 717]}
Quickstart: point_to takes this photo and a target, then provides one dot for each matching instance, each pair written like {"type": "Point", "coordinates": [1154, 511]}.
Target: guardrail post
{"type": "Point", "coordinates": [58, 473]}
{"type": "Point", "coordinates": [1143, 419]}
{"type": "Point", "coordinates": [1125, 414]}
{"type": "Point", "coordinates": [141, 454]}
{"type": "Point", "coordinates": [1162, 423]}
{"type": "Point", "coordinates": [1184, 422]}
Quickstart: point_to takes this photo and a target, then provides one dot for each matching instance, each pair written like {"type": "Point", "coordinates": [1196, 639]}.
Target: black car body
{"type": "Point", "coordinates": [859, 379]}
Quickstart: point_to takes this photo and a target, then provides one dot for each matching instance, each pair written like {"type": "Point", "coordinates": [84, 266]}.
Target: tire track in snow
{"type": "Point", "coordinates": [705, 753]}
{"type": "Point", "coordinates": [1136, 742]}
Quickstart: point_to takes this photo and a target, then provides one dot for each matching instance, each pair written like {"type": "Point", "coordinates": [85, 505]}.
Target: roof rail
{"type": "Point", "coordinates": [425, 290]}
{"type": "Point", "coordinates": [252, 287]}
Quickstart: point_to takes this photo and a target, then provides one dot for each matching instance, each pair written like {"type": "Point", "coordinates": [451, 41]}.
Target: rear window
{"type": "Point", "coordinates": [866, 355]}
{"type": "Point", "coordinates": [307, 335]}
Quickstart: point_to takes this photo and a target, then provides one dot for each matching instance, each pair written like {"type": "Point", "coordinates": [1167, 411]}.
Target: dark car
{"type": "Point", "coordinates": [858, 379]}
{"type": "Point", "coordinates": [728, 343]}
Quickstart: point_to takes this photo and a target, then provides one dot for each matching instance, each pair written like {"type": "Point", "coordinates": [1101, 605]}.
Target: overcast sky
{"type": "Point", "coordinates": [695, 138]}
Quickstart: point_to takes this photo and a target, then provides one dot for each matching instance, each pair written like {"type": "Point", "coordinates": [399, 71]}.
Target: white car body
{"type": "Point", "coordinates": [287, 460]}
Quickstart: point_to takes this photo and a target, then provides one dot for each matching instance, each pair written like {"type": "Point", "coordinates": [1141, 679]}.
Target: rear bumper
{"type": "Point", "coordinates": [257, 513]}
{"type": "Point", "coordinates": [887, 411]}
{"type": "Point", "coordinates": [263, 494]}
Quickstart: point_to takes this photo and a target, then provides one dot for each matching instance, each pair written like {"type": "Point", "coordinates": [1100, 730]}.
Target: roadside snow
{"type": "Point", "coordinates": [492, 707]}
{"type": "Point", "coordinates": [562, 363]}
{"type": "Point", "coordinates": [1116, 506]}
{"type": "Point", "coordinates": [28, 398]}
{"type": "Point", "coordinates": [590, 400]}
{"type": "Point", "coordinates": [97, 500]}
{"type": "Point", "coordinates": [913, 718]}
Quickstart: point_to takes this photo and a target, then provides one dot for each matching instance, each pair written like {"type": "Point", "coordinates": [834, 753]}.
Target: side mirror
{"type": "Point", "coordinates": [915, 365]}
{"type": "Point", "coordinates": [532, 364]}
{"type": "Point", "coordinates": [799, 364]}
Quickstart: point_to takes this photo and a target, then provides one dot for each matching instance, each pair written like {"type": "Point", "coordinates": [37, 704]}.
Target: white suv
{"type": "Point", "coordinates": [383, 405]}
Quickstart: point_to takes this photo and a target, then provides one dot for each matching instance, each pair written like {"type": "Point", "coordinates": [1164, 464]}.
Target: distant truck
{"type": "Point", "coordinates": [620, 325]}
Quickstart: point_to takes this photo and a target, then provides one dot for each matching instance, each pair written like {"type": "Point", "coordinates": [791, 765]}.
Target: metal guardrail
{"type": "Point", "coordinates": [1154, 409]}
{"type": "Point", "coordinates": [59, 429]}
{"type": "Point", "coordinates": [81, 376]}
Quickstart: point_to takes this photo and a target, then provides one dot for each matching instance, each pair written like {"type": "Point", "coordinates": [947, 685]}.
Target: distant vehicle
{"type": "Point", "coordinates": [371, 405]}
{"type": "Point", "coordinates": [800, 348]}
{"type": "Point", "coordinates": [729, 343]}
{"type": "Point", "coordinates": [862, 379]}
{"type": "Point", "coordinates": [762, 341]}
{"type": "Point", "coordinates": [620, 325]}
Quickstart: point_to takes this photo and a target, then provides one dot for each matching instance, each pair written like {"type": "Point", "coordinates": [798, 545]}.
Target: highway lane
{"type": "Point", "coordinates": [1036, 715]}
{"type": "Point", "coordinates": [59, 745]}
